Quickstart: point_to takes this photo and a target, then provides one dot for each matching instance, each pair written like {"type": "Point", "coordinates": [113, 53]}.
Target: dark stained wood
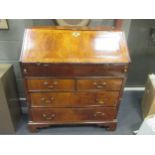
{"type": "Point", "coordinates": [85, 84]}
{"type": "Point", "coordinates": [33, 128]}
{"type": "Point", "coordinates": [99, 84]}
{"type": "Point", "coordinates": [32, 69]}
{"type": "Point", "coordinates": [51, 84]}
{"type": "Point", "coordinates": [109, 125]}
{"type": "Point", "coordinates": [77, 99]}
{"type": "Point", "coordinates": [74, 75]}
{"type": "Point", "coordinates": [64, 115]}
{"type": "Point", "coordinates": [118, 23]}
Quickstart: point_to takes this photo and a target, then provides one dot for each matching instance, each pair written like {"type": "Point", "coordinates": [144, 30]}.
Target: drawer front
{"type": "Point", "coordinates": [74, 69]}
{"type": "Point", "coordinates": [99, 84]}
{"type": "Point", "coordinates": [64, 115]}
{"type": "Point", "coordinates": [74, 99]}
{"type": "Point", "coordinates": [51, 84]}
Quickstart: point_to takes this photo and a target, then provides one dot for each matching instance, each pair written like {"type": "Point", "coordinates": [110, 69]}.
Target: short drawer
{"type": "Point", "coordinates": [51, 84]}
{"type": "Point", "coordinates": [81, 99]}
{"type": "Point", "coordinates": [64, 115]}
{"type": "Point", "coordinates": [99, 84]}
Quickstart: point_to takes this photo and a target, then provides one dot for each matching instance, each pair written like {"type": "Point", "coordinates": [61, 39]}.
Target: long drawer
{"type": "Point", "coordinates": [47, 69]}
{"type": "Point", "coordinates": [64, 115]}
{"type": "Point", "coordinates": [78, 99]}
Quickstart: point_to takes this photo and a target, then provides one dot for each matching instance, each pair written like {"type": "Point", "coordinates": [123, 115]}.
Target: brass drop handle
{"type": "Point", "coordinates": [25, 70]}
{"type": "Point", "coordinates": [45, 83]}
{"type": "Point", "coordinates": [100, 85]}
{"type": "Point", "coordinates": [52, 98]}
{"type": "Point", "coordinates": [99, 114]}
{"type": "Point", "coordinates": [125, 69]}
{"type": "Point", "coordinates": [48, 117]}
{"type": "Point", "coordinates": [50, 86]}
{"type": "Point", "coordinates": [42, 99]}
{"type": "Point", "coordinates": [47, 100]}
{"type": "Point", "coordinates": [100, 101]}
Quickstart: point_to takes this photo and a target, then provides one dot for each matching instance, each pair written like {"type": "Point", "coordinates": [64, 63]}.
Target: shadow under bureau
{"type": "Point", "coordinates": [74, 75]}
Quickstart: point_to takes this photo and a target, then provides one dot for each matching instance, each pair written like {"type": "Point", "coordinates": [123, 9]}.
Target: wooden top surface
{"type": "Point", "coordinates": [74, 45]}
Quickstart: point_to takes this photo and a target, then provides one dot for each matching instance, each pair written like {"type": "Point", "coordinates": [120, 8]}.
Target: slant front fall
{"type": "Point", "coordinates": [70, 46]}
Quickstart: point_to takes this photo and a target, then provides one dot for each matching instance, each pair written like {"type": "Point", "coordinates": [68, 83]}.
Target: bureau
{"type": "Point", "coordinates": [73, 75]}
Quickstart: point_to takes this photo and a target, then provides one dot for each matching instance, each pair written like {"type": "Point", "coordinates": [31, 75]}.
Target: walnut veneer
{"type": "Point", "coordinates": [74, 75]}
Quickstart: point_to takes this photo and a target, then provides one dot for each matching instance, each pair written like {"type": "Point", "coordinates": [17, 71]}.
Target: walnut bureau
{"type": "Point", "coordinates": [74, 75]}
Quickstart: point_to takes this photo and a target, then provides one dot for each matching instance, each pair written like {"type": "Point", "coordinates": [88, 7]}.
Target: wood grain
{"type": "Point", "coordinates": [74, 46]}
{"type": "Point", "coordinates": [51, 84]}
{"type": "Point", "coordinates": [99, 84]}
{"type": "Point", "coordinates": [78, 99]}
{"type": "Point", "coordinates": [74, 75]}
{"type": "Point", "coordinates": [72, 114]}
{"type": "Point", "coordinates": [73, 70]}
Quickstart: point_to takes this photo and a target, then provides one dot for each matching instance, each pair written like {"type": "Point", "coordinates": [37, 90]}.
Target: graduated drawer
{"type": "Point", "coordinates": [99, 84]}
{"type": "Point", "coordinates": [66, 99]}
{"type": "Point", "coordinates": [64, 115]}
{"type": "Point", "coordinates": [51, 84]}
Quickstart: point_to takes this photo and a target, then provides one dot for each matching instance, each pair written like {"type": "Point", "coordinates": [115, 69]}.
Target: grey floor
{"type": "Point", "coordinates": [129, 119]}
